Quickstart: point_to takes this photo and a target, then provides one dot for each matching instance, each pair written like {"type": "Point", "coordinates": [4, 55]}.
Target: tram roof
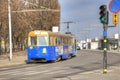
{"type": "Point", "coordinates": [42, 32]}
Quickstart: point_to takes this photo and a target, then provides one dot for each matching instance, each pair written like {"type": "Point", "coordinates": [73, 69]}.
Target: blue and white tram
{"type": "Point", "coordinates": [50, 46]}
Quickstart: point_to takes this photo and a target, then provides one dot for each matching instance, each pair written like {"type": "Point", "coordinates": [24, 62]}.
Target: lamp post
{"type": "Point", "coordinates": [10, 30]}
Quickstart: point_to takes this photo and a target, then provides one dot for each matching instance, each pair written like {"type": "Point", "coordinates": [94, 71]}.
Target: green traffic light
{"type": "Point", "coordinates": [103, 14]}
{"type": "Point", "coordinates": [102, 19]}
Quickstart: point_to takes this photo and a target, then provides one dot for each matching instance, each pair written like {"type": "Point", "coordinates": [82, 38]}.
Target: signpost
{"type": "Point", "coordinates": [114, 7]}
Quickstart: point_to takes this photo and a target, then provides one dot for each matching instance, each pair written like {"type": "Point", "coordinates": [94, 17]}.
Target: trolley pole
{"type": "Point", "coordinates": [105, 48]}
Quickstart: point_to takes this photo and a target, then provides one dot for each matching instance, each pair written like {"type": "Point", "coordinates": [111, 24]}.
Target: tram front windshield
{"type": "Point", "coordinates": [42, 40]}
{"type": "Point", "coordinates": [39, 40]}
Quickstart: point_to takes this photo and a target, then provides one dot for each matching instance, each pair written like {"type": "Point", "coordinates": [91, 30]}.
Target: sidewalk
{"type": "Point", "coordinates": [17, 59]}
{"type": "Point", "coordinates": [113, 74]}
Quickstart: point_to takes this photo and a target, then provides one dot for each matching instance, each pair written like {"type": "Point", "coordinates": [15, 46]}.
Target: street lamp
{"type": "Point", "coordinates": [10, 30]}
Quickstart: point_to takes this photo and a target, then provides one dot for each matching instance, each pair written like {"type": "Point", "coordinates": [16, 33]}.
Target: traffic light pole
{"type": "Point", "coordinates": [105, 26]}
{"type": "Point", "coordinates": [104, 19]}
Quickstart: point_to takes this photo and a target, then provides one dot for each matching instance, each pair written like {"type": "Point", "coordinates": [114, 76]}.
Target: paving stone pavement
{"type": "Point", "coordinates": [17, 59]}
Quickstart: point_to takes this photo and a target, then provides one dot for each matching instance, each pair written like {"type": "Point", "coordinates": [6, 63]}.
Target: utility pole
{"type": "Point", "coordinates": [10, 30]}
{"type": "Point", "coordinates": [68, 25]}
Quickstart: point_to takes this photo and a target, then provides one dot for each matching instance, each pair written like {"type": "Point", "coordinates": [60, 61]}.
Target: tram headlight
{"type": "Point", "coordinates": [31, 47]}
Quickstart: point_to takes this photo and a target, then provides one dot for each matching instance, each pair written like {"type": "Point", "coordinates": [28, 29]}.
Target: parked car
{"type": "Point", "coordinates": [78, 47]}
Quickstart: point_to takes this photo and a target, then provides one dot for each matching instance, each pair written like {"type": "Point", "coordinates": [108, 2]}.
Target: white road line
{"type": "Point", "coordinates": [69, 72]}
{"type": "Point", "coordinates": [33, 73]}
{"type": "Point", "coordinates": [7, 72]}
{"type": "Point", "coordinates": [4, 78]}
{"type": "Point", "coordinates": [55, 72]}
{"type": "Point", "coordinates": [22, 78]}
{"type": "Point", "coordinates": [61, 79]}
{"type": "Point", "coordinates": [23, 73]}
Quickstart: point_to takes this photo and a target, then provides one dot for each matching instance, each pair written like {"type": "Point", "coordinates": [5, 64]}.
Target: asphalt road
{"type": "Point", "coordinates": [84, 62]}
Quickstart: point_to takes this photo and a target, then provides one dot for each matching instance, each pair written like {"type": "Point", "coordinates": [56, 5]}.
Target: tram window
{"type": "Point", "coordinates": [33, 40]}
{"type": "Point", "coordinates": [70, 41]}
{"type": "Point", "coordinates": [65, 41]}
{"type": "Point", "coordinates": [58, 41]}
{"type": "Point", "coordinates": [43, 40]}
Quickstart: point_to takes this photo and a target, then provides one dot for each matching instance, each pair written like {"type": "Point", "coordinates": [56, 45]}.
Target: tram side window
{"type": "Point", "coordinates": [58, 41]}
{"type": "Point", "coordinates": [65, 41]}
{"type": "Point", "coordinates": [33, 40]}
{"type": "Point", "coordinates": [70, 42]}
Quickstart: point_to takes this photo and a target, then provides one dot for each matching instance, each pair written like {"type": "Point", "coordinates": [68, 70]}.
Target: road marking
{"type": "Point", "coordinates": [22, 78]}
{"type": "Point", "coordinates": [3, 68]}
{"type": "Point", "coordinates": [4, 78]}
{"type": "Point", "coordinates": [7, 72]}
{"type": "Point", "coordinates": [33, 73]}
{"type": "Point", "coordinates": [69, 72]}
{"type": "Point", "coordinates": [27, 71]}
{"type": "Point", "coordinates": [61, 79]}
{"type": "Point", "coordinates": [58, 71]}
{"type": "Point", "coordinates": [23, 73]}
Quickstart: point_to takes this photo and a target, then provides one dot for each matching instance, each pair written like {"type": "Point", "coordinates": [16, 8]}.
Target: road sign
{"type": "Point", "coordinates": [115, 18]}
{"type": "Point", "coordinates": [114, 6]}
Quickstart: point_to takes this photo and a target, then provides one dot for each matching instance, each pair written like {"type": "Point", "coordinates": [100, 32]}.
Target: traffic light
{"type": "Point", "coordinates": [115, 18]}
{"type": "Point", "coordinates": [103, 14]}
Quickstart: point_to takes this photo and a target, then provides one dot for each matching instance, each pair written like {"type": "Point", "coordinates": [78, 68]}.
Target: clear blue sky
{"type": "Point", "coordinates": [85, 15]}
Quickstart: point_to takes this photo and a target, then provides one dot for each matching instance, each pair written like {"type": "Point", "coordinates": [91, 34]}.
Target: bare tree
{"type": "Point", "coordinates": [23, 22]}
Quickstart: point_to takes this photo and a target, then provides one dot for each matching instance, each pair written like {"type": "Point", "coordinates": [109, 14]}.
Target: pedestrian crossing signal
{"type": "Point", "coordinates": [115, 18]}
